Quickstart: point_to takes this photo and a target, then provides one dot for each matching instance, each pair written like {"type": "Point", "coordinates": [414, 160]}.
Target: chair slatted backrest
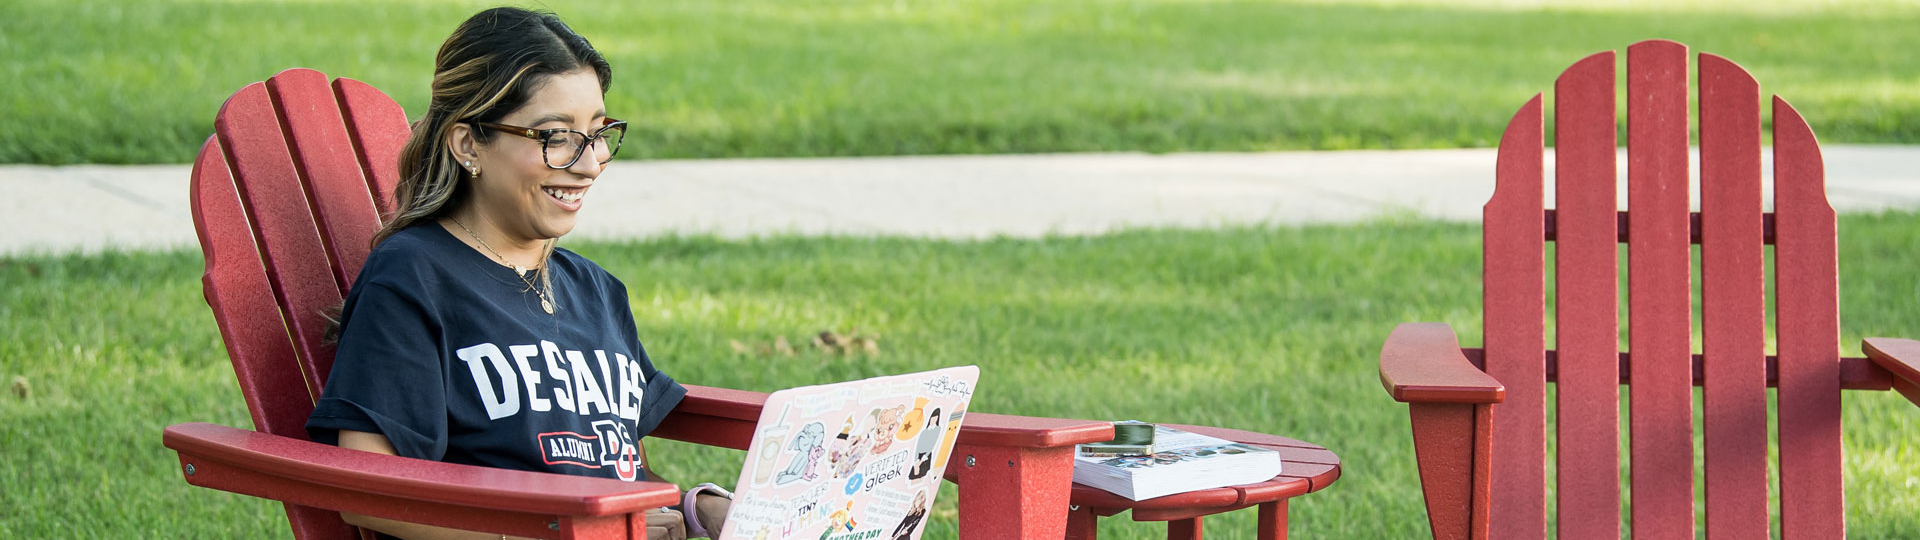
{"type": "Point", "coordinates": [1732, 229]}
{"type": "Point", "coordinates": [286, 196]}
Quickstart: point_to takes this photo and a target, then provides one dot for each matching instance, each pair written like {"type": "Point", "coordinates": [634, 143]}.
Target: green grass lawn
{"type": "Point", "coordinates": [139, 82]}
{"type": "Point", "coordinates": [1268, 329]}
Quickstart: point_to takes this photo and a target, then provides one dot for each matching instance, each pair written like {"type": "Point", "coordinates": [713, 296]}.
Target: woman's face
{"type": "Point", "coordinates": [516, 192]}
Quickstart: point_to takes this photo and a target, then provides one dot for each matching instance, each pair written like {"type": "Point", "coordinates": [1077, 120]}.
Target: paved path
{"type": "Point", "coordinates": [87, 208]}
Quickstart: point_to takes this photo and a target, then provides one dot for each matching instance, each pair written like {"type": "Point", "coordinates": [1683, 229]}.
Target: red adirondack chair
{"type": "Point", "coordinates": [1479, 415]}
{"type": "Point", "coordinates": [287, 194]}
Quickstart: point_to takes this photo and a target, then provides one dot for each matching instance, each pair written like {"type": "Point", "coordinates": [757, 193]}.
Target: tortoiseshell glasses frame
{"type": "Point", "coordinates": [574, 142]}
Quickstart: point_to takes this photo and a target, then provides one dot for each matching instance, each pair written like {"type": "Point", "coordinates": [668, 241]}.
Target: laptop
{"type": "Point", "coordinates": [856, 460]}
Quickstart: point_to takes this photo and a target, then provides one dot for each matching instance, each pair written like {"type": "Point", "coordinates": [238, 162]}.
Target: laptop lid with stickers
{"type": "Point", "coordinates": [850, 461]}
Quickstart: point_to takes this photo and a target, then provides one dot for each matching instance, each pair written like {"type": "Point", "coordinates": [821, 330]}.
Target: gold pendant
{"type": "Point", "coordinates": [544, 304]}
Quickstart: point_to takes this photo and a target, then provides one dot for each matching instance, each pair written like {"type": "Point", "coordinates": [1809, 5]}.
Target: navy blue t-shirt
{"type": "Point", "coordinates": [449, 355]}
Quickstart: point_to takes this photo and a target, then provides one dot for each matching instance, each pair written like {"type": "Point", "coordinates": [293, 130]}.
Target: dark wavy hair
{"type": "Point", "coordinates": [485, 71]}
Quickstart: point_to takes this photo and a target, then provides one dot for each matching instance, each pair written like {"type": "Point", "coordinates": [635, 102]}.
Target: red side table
{"type": "Point", "coordinates": [1305, 468]}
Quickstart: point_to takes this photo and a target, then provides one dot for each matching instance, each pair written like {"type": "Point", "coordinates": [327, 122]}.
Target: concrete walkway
{"type": "Point", "coordinates": [91, 207]}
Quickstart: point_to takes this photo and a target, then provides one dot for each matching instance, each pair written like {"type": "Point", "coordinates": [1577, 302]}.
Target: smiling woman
{"type": "Point", "coordinates": [532, 184]}
{"type": "Point", "coordinates": [468, 337]}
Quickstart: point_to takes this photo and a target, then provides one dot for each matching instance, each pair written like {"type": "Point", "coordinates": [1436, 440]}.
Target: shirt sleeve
{"type": "Point", "coordinates": [661, 396]}
{"type": "Point", "coordinates": [662, 393]}
{"type": "Point", "coordinates": [388, 374]}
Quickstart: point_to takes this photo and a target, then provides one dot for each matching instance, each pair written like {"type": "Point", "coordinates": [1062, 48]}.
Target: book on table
{"type": "Point", "coordinates": [1181, 461]}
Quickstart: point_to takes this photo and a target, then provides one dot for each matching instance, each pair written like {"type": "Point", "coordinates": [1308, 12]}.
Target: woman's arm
{"type": "Point", "coordinates": [378, 444]}
{"type": "Point", "coordinates": [662, 524]}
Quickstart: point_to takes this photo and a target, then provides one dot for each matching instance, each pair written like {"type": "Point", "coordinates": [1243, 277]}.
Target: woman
{"type": "Point", "coordinates": [468, 337]}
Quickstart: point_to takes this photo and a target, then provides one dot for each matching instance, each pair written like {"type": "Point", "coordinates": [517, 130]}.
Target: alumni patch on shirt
{"type": "Point", "coordinates": [568, 448]}
{"type": "Point", "coordinates": [609, 447]}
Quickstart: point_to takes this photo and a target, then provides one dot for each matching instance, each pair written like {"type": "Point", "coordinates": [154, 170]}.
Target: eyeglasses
{"type": "Point", "coordinates": [561, 147]}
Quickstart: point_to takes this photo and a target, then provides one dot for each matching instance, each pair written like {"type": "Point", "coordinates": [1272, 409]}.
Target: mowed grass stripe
{"type": "Point", "coordinates": [117, 82]}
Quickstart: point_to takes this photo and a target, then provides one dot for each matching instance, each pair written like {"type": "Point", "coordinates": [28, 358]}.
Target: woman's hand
{"type": "Point", "coordinates": [664, 524]}
{"type": "Point", "coordinates": [711, 510]}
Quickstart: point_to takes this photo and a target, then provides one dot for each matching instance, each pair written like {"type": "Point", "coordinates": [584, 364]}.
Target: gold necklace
{"type": "Point", "coordinates": [546, 303]}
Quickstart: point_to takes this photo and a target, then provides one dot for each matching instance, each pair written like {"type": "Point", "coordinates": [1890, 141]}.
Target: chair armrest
{"type": "Point", "coordinates": [725, 417]}
{"type": "Point", "coordinates": [712, 416]}
{"type": "Point", "coordinates": [464, 496]}
{"type": "Point", "coordinates": [1046, 442]}
{"type": "Point", "coordinates": [982, 429]}
{"type": "Point", "coordinates": [1422, 363]}
{"type": "Point", "coordinates": [724, 403]}
{"type": "Point", "coordinates": [1901, 357]}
